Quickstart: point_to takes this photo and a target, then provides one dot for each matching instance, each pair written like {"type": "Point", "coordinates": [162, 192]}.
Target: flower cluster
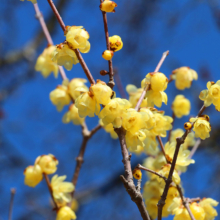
{"type": "Point", "coordinates": [44, 165]}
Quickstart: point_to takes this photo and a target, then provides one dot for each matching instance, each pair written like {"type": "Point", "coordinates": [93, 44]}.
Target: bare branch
{"type": "Point", "coordinates": [162, 147]}
{"type": "Point", "coordinates": [13, 191]}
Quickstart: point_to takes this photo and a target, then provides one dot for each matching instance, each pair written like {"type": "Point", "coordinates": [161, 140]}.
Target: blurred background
{"type": "Point", "coordinates": [30, 125]}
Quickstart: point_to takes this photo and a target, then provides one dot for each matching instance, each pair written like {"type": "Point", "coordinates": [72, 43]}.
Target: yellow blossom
{"type": "Point", "coordinates": [78, 37]}
{"type": "Point", "coordinates": [201, 127]}
{"type": "Point", "coordinates": [65, 56]}
{"type": "Point", "coordinates": [115, 43]}
{"type": "Point", "coordinates": [65, 213]}
{"type": "Point", "coordinates": [148, 118]}
{"type": "Point", "coordinates": [87, 105]}
{"type": "Point", "coordinates": [134, 95]}
{"type": "Point", "coordinates": [108, 6]}
{"type": "Point", "coordinates": [61, 189]}
{"type": "Point", "coordinates": [74, 84]}
{"type": "Point", "coordinates": [48, 163]}
{"type": "Point", "coordinates": [44, 63]}
{"type": "Point", "coordinates": [137, 174]}
{"type": "Point", "coordinates": [33, 175]}
{"type": "Point", "coordinates": [72, 115]}
{"type": "Point", "coordinates": [183, 77]}
{"type": "Point", "coordinates": [107, 54]}
{"type": "Point", "coordinates": [162, 124]}
{"type": "Point", "coordinates": [113, 111]}
{"type": "Point", "coordinates": [33, 1]}
{"type": "Point", "coordinates": [164, 171]}
{"type": "Point", "coordinates": [60, 97]}
{"type": "Point", "coordinates": [207, 204]}
{"type": "Point", "coordinates": [181, 106]}
{"type": "Point", "coordinates": [197, 211]}
{"type": "Point", "coordinates": [102, 92]}
{"type": "Point", "coordinates": [109, 129]}
{"type": "Point", "coordinates": [135, 139]}
{"type": "Point", "coordinates": [182, 159]}
{"type": "Point", "coordinates": [156, 98]}
{"type": "Point", "coordinates": [189, 141]}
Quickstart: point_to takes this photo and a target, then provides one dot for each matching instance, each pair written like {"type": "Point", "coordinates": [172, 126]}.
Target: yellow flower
{"type": "Point", "coordinates": [134, 95]}
{"type": "Point", "coordinates": [207, 204]}
{"type": "Point", "coordinates": [76, 83]}
{"type": "Point", "coordinates": [183, 77]}
{"type": "Point", "coordinates": [113, 111]}
{"type": "Point", "coordinates": [33, 175]}
{"type": "Point", "coordinates": [211, 95]}
{"type": "Point", "coordinates": [152, 189]}
{"type": "Point", "coordinates": [201, 127]}
{"type": "Point", "coordinates": [197, 211]}
{"type": "Point", "coordinates": [78, 37]}
{"type": "Point", "coordinates": [107, 54]}
{"type": "Point", "coordinates": [181, 106]}
{"type": "Point", "coordinates": [164, 171]}
{"type": "Point", "coordinates": [108, 6]}
{"type": "Point", "coordinates": [48, 163]}
{"type": "Point", "coordinates": [156, 98]}
{"type": "Point", "coordinates": [87, 105]}
{"type": "Point", "coordinates": [65, 56]}
{"type": "Point", "coordinates": [44, 63]}
{"type": "Point", "coordinates": [163, 123]}
{"type": "Point", "coordinates": [102, 92]}
{"type": "Point", "coordinates": [60, 97]}
{"type": "Point", "coordinates": [182, 159]}
{"type": "Point", "coordinates": [109, 129]}
{"type": "Point", "coordinates": [65, 213]}
{"type": "Point", "coordinates": [133, 140]}
{"type": "Point", "coordinates": [137, 174]}
{"type": "Point", "coordinates": [115, 43]}
{"type": "Point", "coordinates": [148, 118]}
{"type": "Point", "coordinates": [72, 115]}
{"type": "Point", "coordinates": [61, 189]}
{"type": "Point", "coordinates": [33, 1]}
{"type": "Point", "coordinates": [189, 141]}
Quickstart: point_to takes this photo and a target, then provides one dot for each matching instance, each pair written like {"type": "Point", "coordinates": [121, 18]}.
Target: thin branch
{"type": "Point", "coordinates": [78, 54]}
{"type": "Point", "coordinates": [50, 190]}
{"type": "Point", "coordinates": [13, 191]}
{"type": "Point", "coordinates": [111, 74]}
{"type": "Point", "coordinates": [127, 179]}
{"type": "Point", "coordinates": [170, 132]}
{"type": "Point", "coordinates": [179, 141]}
{"type": "Point", "coordinates": [162, 147]}
{"type": "Point", "coordinates": [151, 171]}
{"type": "Point", "coordinates": [80, 158]}
{"type": "Point", "coordinates": [46, 32]}
{"type": "Point", "coordinates": [165, 54]}
{"type": "Point", "coordinates": [119, 84]}
{"type": "Point", "coordinates": [195, 147]}
{"type": "Point", "coordinates": [189, 211]}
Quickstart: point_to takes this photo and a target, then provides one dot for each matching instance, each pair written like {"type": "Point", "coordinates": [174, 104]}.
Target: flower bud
{"type": "Point", "coordinates": [104, 72]}
{"type": "Point", "coordinates": [108, 6]}
{"type": "Point", "coordinates": [65, 213]}
{"type": "Point", "coordinates": [137, 174]}
{"type": "Point", "coordinates": [48, 163]}
{"type": "Point", "coordinates": [187, 125]}
{"type": "Point", "coordinates": [158, 82]}
{"type": "Point", "coordinates": [115, 43]}
{"type": "Point", "coordinates": [107, 54]}
{"type": "Point", "coordinates": [33, 175]}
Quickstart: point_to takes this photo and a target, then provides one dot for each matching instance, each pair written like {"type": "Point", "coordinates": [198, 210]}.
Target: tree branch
{"type": "Point", "coordinates": [78, 54]}
{"type": "Point", "coordinates": [13, 191]}
{"type": "Point", "coordinates": [127, 179]}
{"type": "Point", "coordinates": [179, 141]}
{"type": "Point", "coordinates": [162, 147]}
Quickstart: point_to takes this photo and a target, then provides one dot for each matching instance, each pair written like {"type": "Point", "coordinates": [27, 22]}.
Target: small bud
{"type": "Point", "coordinates": [107, 54]}
{"type": "Point", "coordinates": [206, 117]}
{"type": "Point", "coordinates": [108, 6]}
{"type": "Point", "coordinates": [187, 125]}
{"type": "Point", "coordinates": [104, 72]}
{"type": "Point", "coordinates": [137, 174]}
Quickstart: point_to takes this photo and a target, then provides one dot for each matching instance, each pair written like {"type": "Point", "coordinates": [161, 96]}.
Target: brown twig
{"type": "Point", "coordinates": [119, 84]}
{"type": "Point", "coordinates": [13, 191]}
{"type": "Point", "coordinates": [127, 179]}
{"type": "Point", "coordinates": [170, 132]}
{"type": "Point", "coordinates": [46, 32]}
{"type": "Point", "coordinates": [151, 171]}
{"type": "Point", "coordinates": [50, 190]}
{"type": "Point", "coordinates": [111, 74]}
{"type": "Point", "coordinates": [179, 141]}
{"type": "Point", "coordinates": [165, 54]}
{"type": "Point", "coordinates": [80, 158]}
{"type": "Point", "coordinates": [78, 54]}
{"type": "Point", "coordinates": [162, 147]}
{"type": "Point", "coordinates": [195, 147]}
